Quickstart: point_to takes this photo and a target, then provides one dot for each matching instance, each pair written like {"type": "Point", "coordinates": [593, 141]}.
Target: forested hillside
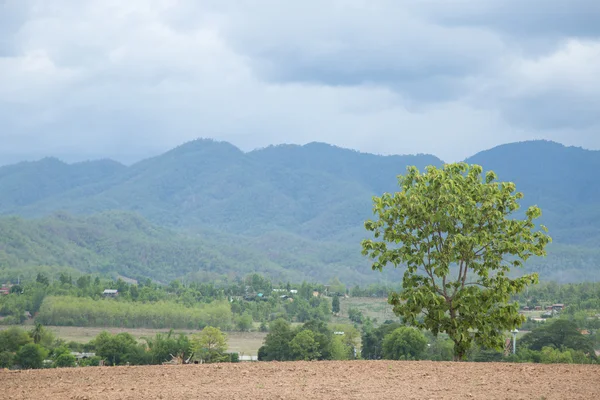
{"type": "Point", "coordinates": [289, 211]}
{"type": "Point", "coordinates": [119, 243]}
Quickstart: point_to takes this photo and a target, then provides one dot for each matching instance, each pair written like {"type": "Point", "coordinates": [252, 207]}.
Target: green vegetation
{"type": "Point", "coordinates": [311, 341]}
{"type": "Point", "coordinates": [237, 305]}
{"type": "Point", "coordinates": [404, 343]}
{"type": "Point", "coordinates": [289, 212]}
{"type": "Point", "coordinates": [452, 231]}
{"type": "Point", "coordinates": [71, 311]}
{"type": "Point", "coordinates": [210, 345]}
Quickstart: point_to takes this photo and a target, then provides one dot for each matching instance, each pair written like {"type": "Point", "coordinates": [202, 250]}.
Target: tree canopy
{"type": "Point", "coordinates": [452, 229]}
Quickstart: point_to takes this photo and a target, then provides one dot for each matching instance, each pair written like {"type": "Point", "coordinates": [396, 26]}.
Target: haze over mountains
{"type": "Point", "coordinates": [208, 210]}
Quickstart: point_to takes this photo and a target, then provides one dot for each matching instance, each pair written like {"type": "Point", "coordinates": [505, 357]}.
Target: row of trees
{"type": "Point", "coordinates": [36, 348]}
{"type": "Point", "coordinates": [70, 311]}
{"type": "Point", "coordinates": [557, 342]}
{"type": "Point", "coordinates": [313, 340]}
{"type": "Point", "coordinates": [39, 348]}
{"type": "Point", "coordinates": [147, 304]}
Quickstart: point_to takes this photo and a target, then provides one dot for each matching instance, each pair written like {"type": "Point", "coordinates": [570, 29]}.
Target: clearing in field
{"type": "Point", "coordinates": [314, 380]}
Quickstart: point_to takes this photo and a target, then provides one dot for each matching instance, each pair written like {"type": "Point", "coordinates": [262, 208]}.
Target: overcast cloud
{"type": "Point", "coordinates": [129, 79]}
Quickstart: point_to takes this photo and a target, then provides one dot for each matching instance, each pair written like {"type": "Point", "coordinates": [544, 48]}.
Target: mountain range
{"type": "Point", "coordinates": [207, 210]}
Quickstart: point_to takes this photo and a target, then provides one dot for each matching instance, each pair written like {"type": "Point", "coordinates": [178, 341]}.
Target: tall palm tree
{"type": "Point", "coordinates": [37, 333]}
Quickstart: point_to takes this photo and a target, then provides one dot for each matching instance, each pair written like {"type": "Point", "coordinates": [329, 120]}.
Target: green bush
{"type": "Point", "coordinates": [6, 359]}
{"type": "Point", "coordinates": [31, 356]}
{"type": "Point", "coordinates": [65, 360]}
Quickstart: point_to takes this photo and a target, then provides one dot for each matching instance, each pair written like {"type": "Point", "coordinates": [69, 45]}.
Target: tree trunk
{"type": "Point", "coordinates": [460, 350]}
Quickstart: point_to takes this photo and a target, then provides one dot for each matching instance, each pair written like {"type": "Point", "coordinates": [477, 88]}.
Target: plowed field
{"type": "Point", "coordinates": [309, 380]}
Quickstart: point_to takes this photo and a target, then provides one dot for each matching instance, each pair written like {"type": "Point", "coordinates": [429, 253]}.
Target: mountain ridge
{"type": "Point", "coordinates": [311, 200]}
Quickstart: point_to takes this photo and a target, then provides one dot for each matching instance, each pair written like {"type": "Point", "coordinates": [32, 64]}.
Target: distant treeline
{"type": "Point", "coordinates": [72, 311]}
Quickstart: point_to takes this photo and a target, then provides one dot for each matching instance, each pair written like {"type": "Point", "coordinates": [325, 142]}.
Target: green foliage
{"type": "Point", "coordinates": [267, 199]}
{"type": "Point", "coordinates": [404, 343]}
{"type": "Point", "coordinates": [31, 356]}
{"type": "Point", "coordinates": [372, 340]}
{"type": "Point", "coordinates": [339, 349]}
{"type": "Point", "coordinates": [163, 347]}
{"type": "Point", "coordinates": [210, 345]}
{"type": "Point", "coordinates": [557, 334]}
{"type": "Point", "coordinates": [304, 346]}
{"type": "Point", "coordinates": [277, 342]}
{"type": "Point", "coordinates": [335, 304]}
{"type": "Point", "coordinates": [119, 349]}
{"type": "Point", "coordinates": [7, 359]}
{"type": "Point", "coordinates": [65, 360]}
{"type": "Point", "coordinates": [355, 315]}
{"type": "Point", "coordinates": [244, 322]}
{"type": "Point", "coordinates": [69, 311]}
{"type": "Point", "coordinates": [451, 222]}
{"type": "Point", "coordinates": [314, 340]}
{"type": "Point", "coordinates": [440, 349]}
{"type": "Point", "coordinates": [263, 327]}
{"type": "Point", "coordinates": [13, 338]}
{"type": "Point", "coordinates": [37, 333]}
{"type": "Point", "coordinates": [90, 362]}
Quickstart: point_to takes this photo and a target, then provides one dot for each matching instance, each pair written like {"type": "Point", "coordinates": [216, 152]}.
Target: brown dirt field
{"type": "Point", "coordinates": [313, 380]}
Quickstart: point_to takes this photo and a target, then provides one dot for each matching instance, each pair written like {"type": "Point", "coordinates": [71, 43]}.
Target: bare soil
{"type": "Point", "coordinates": [312, 380]}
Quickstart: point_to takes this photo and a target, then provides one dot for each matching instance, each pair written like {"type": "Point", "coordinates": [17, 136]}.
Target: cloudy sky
{"type": "Point", "coordinates": [129, 79]}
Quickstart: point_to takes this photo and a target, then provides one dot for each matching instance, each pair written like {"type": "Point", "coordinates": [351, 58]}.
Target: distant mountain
{"type": "Point", "coordinates": [562, 180]}
{"type": "Point", "coordinates": [317, 190]}
{"type": "Point", "coordinates": [299, 210]}
{"type": "Point", "coordinates": [26, 183]}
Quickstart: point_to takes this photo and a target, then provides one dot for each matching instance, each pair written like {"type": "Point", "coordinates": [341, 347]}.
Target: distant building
{"type": "Point", "coordinates": [5, 289]}
{"type": "Point", "coordinates": [558, 307]}
{"type": "Point", "coordinates": [293, 291]}
{"type": "Point", "coordinates": [110, 293]}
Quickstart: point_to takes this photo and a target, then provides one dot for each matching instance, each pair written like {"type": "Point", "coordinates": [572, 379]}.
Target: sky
{"type": "Point", "coordinates": [131, 79]}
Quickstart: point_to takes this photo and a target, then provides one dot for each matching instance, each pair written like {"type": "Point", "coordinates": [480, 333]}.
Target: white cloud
{"type": "Point", "coordinates": [130, 79]}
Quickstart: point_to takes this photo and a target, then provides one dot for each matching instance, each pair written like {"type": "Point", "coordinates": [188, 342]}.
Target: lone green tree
{"type": "Point", "coordinates": [404, 343]}
{"type": "Point", "coordinates": [453, 231]}
{"type": "Point", "coordinates": [335, 304]}
{"type": "Point", "coordinates": [210, 345]}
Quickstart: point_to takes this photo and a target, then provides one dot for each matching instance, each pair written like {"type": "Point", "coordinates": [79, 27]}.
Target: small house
{"type": "Point", "coordinates": [4, 290]}
{"type": "Point", "coordinates": [558, 307]}
{"type": "Point", "coordinates": [110, 293]}
{"type": "Point", "coordinates": [538, 308]}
